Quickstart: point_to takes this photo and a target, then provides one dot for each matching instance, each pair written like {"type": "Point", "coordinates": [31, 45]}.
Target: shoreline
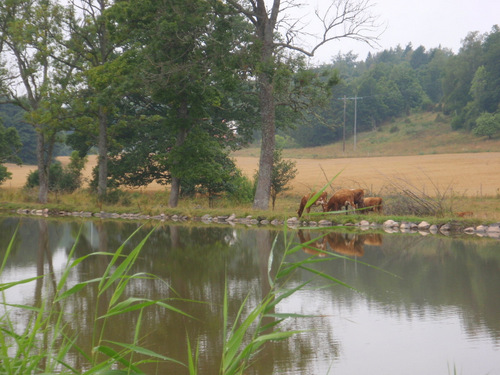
{"type": "Point", "coordinates": [389, 226]}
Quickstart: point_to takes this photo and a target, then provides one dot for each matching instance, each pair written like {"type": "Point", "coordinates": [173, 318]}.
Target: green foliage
{"type": "Point", "coordinates": [471, 80]}
{"type": "Point", "coordinates": [488, 124]}
{"type": "Point", "coordinates": [242, 190]}
{"type": "Point", "coordinates": [204, 167]}
{"type": "Point", "coordinates": [13, 117]}
{"type": "Point", "coordinates": [395, 82]}
{"type": "Point", "coordinates": [282, 173]}
{"type": "Point", "coordinates": [66, 179]}
{"type": "Point", "coordinates": [285, 141]}
{"type": "Point", "coordinates": [176, 133]}
{"type": "Point", "coordinates": [4, 174]}
{"type": "Point", "coordinates": [10, 144]}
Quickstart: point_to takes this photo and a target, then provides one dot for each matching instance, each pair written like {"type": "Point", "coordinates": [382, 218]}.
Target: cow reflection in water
{"type": "Point", "coordinates": [342, 243]}
{"type": "Point", "coordinates": [314, 247]}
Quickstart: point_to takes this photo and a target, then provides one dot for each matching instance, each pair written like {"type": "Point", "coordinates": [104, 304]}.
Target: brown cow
{"type": "Point", "coordinates": [345, 198]}
{"type": "Point", "coordinates": [358, 197]}
{"type": "Point", "coordinates": [321, 201]}
{"type": "Point", "coordinates": [373, 204]}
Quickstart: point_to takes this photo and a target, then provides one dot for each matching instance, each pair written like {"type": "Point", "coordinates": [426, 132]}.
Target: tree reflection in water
{"type": "Point", "coordinates": [438, 276]}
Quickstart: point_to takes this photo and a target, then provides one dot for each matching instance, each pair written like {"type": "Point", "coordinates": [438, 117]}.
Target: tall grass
{"type": "Point", "coordinates": [45, 343]}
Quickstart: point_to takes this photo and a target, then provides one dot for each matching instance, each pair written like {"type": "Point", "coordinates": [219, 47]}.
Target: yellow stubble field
{"type": "Point", "coordinates": [471, 174]}
{"type": "Point", "coordinates": [475, 174]}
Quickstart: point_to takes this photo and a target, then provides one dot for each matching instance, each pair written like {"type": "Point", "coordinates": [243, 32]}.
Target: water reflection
{"type": "Point", "coordinates": [343, 243]}
{"type": "Point", "coordinates": [444, 295]}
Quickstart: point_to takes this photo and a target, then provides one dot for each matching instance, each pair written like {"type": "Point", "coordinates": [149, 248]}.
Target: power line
{"type": "Point", "coordinates": [355, 98]}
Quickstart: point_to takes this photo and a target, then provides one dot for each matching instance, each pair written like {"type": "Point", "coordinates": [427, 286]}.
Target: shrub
{"type": "Point", "coordinates": [488, 124]}
{"type": "Point", "coordinates": [66, 179]}
{"type": "Point", "coordinates": [4, 174]}
{"type": "Point", "coordinates": [243, 190]}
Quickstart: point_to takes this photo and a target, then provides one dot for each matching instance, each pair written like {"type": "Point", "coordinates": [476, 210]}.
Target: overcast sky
{"type": "Point", "coordinates": [430, 23]}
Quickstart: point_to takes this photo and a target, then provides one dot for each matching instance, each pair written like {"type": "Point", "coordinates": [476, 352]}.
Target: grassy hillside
{"type": "Point", "coordinates": [419, 134]}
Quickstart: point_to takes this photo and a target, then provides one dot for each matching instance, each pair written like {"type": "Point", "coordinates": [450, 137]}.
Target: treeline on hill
{"type": "Point", "coordinates": [391, 83]}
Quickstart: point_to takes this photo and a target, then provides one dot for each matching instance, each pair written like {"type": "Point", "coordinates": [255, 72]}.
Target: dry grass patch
{"type": "Point", "coordinates": [471, 182]}
{"type": "Point", "coordinates": [474, 175]}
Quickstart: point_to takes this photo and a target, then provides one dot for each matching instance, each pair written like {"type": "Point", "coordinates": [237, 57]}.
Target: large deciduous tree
{"type": "Point", "coordinates": [273, 38]}
{"type": "Point", "coordinates": [183, 70]}
{"type": "Point", "coordinates": [32, 78]}
{"type": "Point", "coordinates": [91, 51]}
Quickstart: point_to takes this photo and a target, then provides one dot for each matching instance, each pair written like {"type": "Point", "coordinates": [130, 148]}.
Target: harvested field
{"type": "Point", "coordinates": [476, 174]}
{"type": "Point", "coordinates": [471, 174]}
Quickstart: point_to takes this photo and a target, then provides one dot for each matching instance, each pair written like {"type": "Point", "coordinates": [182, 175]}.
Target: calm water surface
{"type": "Point", "coordinates": [435, 311]}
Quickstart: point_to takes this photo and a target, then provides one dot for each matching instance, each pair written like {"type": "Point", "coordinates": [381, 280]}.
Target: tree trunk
{"type": "Point", "coordinates": [102, 147]}
{"type": "Point", "coordinates": [263, 191]}
{"type": "Point", "coordinates": [44, 156]}
{"type": "Point", "coordinates": [265, 32]}
{"type": "Point", "coordinates": [43, 170]}
{"type": "Point", "coordinates": [267, 110]}
{"type": "Point", "coordinates": [175, 188]}
{"type": "Point", "coordinates": [175, 185]}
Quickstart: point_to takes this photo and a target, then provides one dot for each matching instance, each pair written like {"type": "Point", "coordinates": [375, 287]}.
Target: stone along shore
{"type": "Point", "coordinates": [389, 226]}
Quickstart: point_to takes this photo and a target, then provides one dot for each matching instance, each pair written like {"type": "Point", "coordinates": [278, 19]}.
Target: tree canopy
{"type": "Point", "coordinates": [164, 91]}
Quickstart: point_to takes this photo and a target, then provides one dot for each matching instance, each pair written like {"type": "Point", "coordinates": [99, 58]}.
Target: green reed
{"type": "Point", "coordinates": [44, 344]}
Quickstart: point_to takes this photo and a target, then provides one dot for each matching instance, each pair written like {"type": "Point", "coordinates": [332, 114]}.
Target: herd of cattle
{"type": "Point", "coordinates": [345, 198]}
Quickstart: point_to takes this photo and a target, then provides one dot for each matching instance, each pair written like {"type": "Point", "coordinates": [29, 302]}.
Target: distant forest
{"type": "Point", "coordinates": [394, 82]}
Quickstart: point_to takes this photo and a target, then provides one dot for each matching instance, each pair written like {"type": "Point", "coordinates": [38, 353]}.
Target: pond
{"type": "Point", "coordinates": [413, 305]}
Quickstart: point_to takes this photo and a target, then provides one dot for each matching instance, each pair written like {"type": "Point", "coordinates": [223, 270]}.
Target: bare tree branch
{"type": "Point", "coordinates": [343, 19]}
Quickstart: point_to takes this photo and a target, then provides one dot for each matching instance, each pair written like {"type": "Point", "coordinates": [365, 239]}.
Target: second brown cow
{"type": "Point", "coordinates": [373, 204]}
{"type": "Point", "coordinates": [345, 198]}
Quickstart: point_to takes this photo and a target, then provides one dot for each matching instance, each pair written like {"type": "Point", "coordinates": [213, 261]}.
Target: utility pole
{"type": "Point", "coordinates": [343, 132]}
{"type": "Point", "coordinates": [355, 118]}
{"type": "Point", "coordinates": [355, 98]}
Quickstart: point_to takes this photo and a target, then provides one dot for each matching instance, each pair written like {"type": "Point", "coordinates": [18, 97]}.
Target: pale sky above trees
{"type": "Point", "coordinates": [431, 23]}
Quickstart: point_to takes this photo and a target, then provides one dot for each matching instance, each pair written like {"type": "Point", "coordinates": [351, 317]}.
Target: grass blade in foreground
{"type": "Point", "coordinates": [46, 341]}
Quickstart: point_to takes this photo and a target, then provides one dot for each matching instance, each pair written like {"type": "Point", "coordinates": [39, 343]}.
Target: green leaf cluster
{"type": "Point", "coordinates": [10, 144]}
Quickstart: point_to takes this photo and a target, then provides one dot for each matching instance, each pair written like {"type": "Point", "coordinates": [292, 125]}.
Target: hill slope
{"type": "Point", "coordinates": [419, 134]}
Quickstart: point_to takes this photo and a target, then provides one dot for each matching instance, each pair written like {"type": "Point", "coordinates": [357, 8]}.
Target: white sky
{"type": "Point", "coordinates": [430, 23]}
